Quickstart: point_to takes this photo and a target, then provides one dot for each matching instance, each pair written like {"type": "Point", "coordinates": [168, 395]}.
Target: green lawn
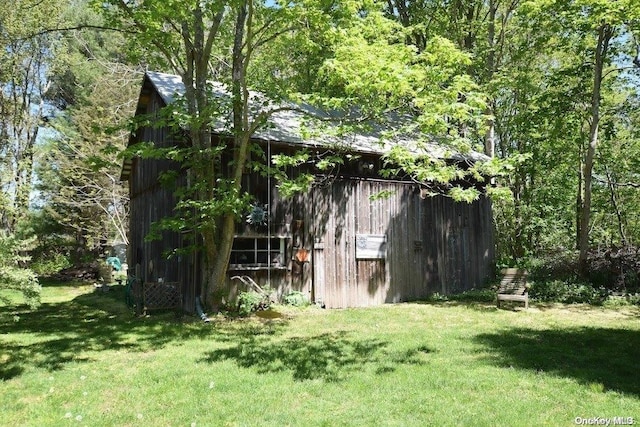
{"type": "Point", "coordinates": [83, 359]}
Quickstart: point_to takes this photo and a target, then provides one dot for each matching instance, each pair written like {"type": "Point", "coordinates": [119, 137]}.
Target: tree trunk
{"type": "Point", "coordinates": [616, 206]}
{"type": "Point", "coordinates": [605, 32]}
{"type": "Point", "coordinates": [579, 202]}
{"type": "Point", "coordinates": [490, 136]}
{"type": "Point", "coordinates": [218, 271]}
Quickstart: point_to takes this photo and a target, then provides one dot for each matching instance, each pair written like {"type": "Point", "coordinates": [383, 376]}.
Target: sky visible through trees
{"type": "Point", "coordinates": [548, 88]}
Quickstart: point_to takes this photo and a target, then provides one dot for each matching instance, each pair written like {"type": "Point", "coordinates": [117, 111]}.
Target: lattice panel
{"type": "Point", "coordinates": [160, 295]}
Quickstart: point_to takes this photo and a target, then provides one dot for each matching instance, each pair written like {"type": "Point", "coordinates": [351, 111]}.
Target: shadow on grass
{"type": "Point", "coordinates": [329, 356]}
{"type": "Point", "coordinates": [50, 282]}
{"type": "Point", "coordinates": [600, 358]}
{"type": "Point", "coordinates": [477, 299]}
{"type": "Point", "coordinates": [75, 331]}
{"type": "Point", "coordinates": [79, 330]}
{"type": "Point", "coordinates": [481, 306]}
{"type": "Point", "coordinates": [625, 311]}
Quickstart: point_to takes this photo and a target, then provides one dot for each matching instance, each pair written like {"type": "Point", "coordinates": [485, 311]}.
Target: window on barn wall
{"type": "Point", "coordinates": [258, 252]}
{"type": "Point", "coordinates": [254, 248]}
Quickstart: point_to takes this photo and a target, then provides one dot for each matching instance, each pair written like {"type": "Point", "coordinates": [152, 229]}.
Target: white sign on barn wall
{"type": "Point", "coordinates": [371, 246]}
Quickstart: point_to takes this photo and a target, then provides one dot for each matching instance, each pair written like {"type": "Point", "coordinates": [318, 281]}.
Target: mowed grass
{"type": "Point", "coordinates": [83, 359]}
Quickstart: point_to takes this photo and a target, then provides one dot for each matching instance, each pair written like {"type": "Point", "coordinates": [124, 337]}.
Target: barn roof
{"type": "Point", "coordinates": [286, 125]}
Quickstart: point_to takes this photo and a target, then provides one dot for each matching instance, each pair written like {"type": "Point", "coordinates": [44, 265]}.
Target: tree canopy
{"type": "Point", "coordinates": [548, 89]}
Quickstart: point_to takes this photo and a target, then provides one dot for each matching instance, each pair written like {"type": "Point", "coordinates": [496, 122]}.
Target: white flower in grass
{"type": "Point", "coordinates": [139, 416]}
{"type": "Point", "coordinates": [193, 424]}
{"type": "Point", "coordinates": [83, 377]}
{"type": "Point", "coordinates": [212, 384]}
{"type": "Point", "coordinates": [78, 417]}
{"type": "Point", "coordinates": [84, 393]}
{"type": "Point", "coordinates": [68, 415]}
{"type": "Point", "coordinates": [51, 390]}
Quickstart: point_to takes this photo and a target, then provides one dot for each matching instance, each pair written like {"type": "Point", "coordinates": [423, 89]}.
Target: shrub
{"type": "Point", "coordinates": [296, 299]}
{"type": "Point", "coordinates": [437, 297]}
{"type": "Point", "coordinates": [22, 280]}
{"type": "Point", "coordinates": [555, 276]}
{"type": "Point", "coordinates": [622, 300]}
{"type": "Point", "coordinates": [615, 268]}
{"type": "Point", "coordinates": [13, 274]}
{"type": "Point", "coordinates": [568, 292]}
{"type": "Point", "coordinates": [557, 265]}
{"type": "Point", "coordinates": [475, 295]}
{"type": "Point", "coordinates": [472, 295]}
{"type": "Point", "coordinates": [617, 301]}
{"type": "Point", "coordinates": [249, 302]}
{"type": "Point", "coordinates": [51, 264]}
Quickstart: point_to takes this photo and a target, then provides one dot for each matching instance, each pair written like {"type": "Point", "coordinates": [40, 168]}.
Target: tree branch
{"type": "Point", "coordinates": [78, 27]}
{"type": "Point", "coordinates": [142, 28]}
{"type": "Point", "coordinates": [618, 184]}
{"type": "Point", "coordinates": [213, 33]}
{"type": "Point", "coordinates": [634, 67]}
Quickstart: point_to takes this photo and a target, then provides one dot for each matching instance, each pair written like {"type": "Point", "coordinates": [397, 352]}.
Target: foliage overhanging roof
{"type": "Point", "coordinates": [287, 124]}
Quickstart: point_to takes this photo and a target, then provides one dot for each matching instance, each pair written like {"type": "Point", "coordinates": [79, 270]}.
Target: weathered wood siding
{"type": "Point", "coordinates": [433, 244]}
{"type": "Point", "coordinates": [151, 201]}
{"type": "Point", "coordinates": [291, 218]}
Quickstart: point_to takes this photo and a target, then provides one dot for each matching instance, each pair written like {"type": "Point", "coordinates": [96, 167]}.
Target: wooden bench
{"type": "Point", "coordinates": [513, 287]}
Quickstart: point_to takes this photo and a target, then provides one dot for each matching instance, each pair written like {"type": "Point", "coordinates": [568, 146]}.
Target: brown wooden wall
{"type": "Point", "coordinates": [432, 245]}
{"type": "Point", "coordinates": [150, 202]}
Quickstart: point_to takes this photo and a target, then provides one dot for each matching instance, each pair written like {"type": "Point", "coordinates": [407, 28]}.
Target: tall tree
{"type": "Point", "coordinates": [546, 67]}
{"type": "Point", "coordinates": [599, 32]}
{"type": "Point", "coordinates": [79, 168]}
{"type": "Point", "coordinates": [478, 27]}
{"type": "Point", "coordinates": [198, 40]}
{"type": "Point", "coordinates": [23, 83]}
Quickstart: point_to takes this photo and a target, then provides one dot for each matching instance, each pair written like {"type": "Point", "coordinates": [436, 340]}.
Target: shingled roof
{"type": "Point", "coordinates": [285, 126]}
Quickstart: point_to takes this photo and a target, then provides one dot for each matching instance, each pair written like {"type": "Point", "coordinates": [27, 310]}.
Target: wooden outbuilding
{"type": "Point", "coordinates": [337, 243]}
